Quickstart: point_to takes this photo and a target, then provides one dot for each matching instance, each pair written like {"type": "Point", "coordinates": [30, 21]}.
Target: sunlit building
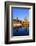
{"type": "Point", "coordinates": [18, 23]}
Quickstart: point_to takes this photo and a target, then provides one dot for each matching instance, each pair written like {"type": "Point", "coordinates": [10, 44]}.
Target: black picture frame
{"type": "Point", "coordinates": [7, 3]}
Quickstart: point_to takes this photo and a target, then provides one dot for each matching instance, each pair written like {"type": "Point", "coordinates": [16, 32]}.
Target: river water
{"type": "Point", "coordinates": [20, 32]}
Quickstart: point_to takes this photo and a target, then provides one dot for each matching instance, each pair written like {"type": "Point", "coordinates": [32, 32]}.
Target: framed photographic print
{"type": "Point", "coordinates": [20, 22]}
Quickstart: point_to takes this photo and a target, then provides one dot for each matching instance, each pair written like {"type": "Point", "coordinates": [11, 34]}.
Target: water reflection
{"type": "Point", "coordinates": [20, 31]}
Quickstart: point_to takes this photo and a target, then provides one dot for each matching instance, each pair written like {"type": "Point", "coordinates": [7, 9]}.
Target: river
{"type": "Point", "coordinates": [20, 32]}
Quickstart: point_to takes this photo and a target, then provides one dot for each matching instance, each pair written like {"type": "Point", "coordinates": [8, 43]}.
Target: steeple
{"type": "Point", "coordinates": [17, 19]}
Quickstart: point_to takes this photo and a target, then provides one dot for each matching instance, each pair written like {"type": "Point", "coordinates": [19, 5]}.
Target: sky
{"type": "Point", "coordinates": [21, 13]}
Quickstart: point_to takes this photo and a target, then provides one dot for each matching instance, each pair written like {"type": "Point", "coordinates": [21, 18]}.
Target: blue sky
{"type": "Point", "coordinates": [20, 13]}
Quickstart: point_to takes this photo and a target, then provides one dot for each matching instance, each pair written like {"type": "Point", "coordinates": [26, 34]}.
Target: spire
{"type": "Point", "coordinates": [17, 18]}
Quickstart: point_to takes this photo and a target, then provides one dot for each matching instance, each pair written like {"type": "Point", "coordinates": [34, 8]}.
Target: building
{"type": "Point", "coordinates": [18, 23]}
